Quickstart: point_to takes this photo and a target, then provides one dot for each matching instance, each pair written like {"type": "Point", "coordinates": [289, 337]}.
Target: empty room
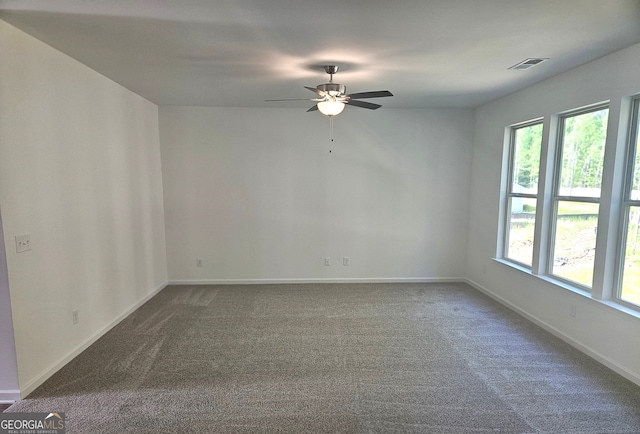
{"type": "Point", "coordinates": [239, 216]}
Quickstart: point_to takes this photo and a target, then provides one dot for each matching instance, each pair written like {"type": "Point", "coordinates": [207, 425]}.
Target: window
{"type": "Point", "coordinates": [561, 202]}
{"type": "Point", "coordinates": [576, 201]}
{"type": "Point", "coordinates": [522, 192]}
{"type": "Point", "coordinates": [629, 284]}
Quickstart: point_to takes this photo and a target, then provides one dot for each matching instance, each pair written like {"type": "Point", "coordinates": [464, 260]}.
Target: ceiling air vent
{"type": "Point", "coordinates": [529, 63]}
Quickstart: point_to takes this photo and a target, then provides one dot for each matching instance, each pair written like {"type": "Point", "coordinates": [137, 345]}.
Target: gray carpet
{"type": "Point", "coordinates": [356, 358]}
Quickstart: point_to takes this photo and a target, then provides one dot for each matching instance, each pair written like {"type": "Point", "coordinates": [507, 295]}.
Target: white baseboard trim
{"type": "Point", "coordinates": [47, 373]}
{"type": "Point", "coordinates": [9, 396]}
{"type": "Point", "coordinates": [611, 364]}
{"type": "Point", "coordinates": [317, 280]}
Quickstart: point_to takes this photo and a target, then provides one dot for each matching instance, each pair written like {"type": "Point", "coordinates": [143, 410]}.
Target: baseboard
{"type": "Point", "coordinates": [317, 280]}
{"type": "Point", "coordinates": [47, 373]}
{"type": "Point", "coordinates": [611, 364]}
{"type": "Point", "coordinates": [9, 396]}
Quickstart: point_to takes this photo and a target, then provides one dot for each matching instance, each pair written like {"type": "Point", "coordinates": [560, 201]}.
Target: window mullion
{"type": "Point", "coordinates": [611, 198]}
{"type": "Point", "coordinates": [545, 195]}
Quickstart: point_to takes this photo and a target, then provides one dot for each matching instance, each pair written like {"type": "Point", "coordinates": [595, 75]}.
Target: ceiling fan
{"type": "Point", "coordinates": [332, 97]}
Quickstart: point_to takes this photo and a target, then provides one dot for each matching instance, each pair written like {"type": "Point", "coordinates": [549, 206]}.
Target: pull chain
{"type": "Point", "coordinates": [331, 128]}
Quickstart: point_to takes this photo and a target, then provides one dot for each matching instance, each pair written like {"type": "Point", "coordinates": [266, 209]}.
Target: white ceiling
{"type": "Point", "coordinates": [429, 53]}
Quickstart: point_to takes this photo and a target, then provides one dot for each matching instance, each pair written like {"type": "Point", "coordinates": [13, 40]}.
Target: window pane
{"type": "Point", "coordinates": [522, 219]}
{"type": "Point", "coordinates": [575, 241]}
{"type": "Point", "coordinates": [630, 290]}
{"type": "Point", "coordinates": [526, 159]}
{"type": "Point", "coordinates": [583, 143]}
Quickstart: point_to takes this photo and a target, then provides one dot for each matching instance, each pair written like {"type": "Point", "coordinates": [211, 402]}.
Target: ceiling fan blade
{"type": "Point", "coordinates": [363, 104]}
{"type": "Point", "coordinates": [318, 91]}
{"type": "Point", "coordinates": [373, 94]}
{"type": "Point", "coordinates": [313, 109]}
{"type": "Point", "coordinates": [290, 99]}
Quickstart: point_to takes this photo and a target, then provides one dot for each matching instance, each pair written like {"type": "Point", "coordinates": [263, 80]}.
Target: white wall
{"type": "Point", "coordinates": [9, 388]}
{"type": "Point", "coordinates": [258, 196]}
{"type": "Point", "coordinates": [80, 172]}
{"type": "Point", "coordinates": [608, 335]}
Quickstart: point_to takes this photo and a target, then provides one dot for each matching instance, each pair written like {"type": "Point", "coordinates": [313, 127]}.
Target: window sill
{"type": "Point", "coordinates": [608, 304]}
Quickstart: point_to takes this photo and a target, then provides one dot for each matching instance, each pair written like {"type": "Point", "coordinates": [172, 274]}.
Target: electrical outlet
{"type": "Point", "coordinates": [199, 263]}
{"type": "Point", "coordinates": [346, 261]}
{"type": "Point", "coordinates": [23, 243]}
{"type": "Point", "coordinates": [327, 261]}
{"type": "Point", "coordinates": [572, 311]}
{"type": "Point", "coordinates": [74, 314]}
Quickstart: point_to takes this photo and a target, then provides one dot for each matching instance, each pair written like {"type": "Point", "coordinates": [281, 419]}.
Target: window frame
{"type": "Point", "coordinates": [627, 202]}
{"type": "Point", "coordinates": [510, 194]}
{"type": "Point", "coordinates": [556, 198]}
{"type": "Point", "coordinates": [614, 200]}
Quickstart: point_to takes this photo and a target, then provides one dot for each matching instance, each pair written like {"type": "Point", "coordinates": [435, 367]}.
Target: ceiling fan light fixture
{"type": "Point", "coordinates": [331, 97]}
{"type": "Point", "coordinates": [332, 89]}
{"type": "Point", "coordinates": [330, 108]}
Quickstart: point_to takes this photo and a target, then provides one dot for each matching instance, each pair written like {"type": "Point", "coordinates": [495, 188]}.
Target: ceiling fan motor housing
{"type": "Point", "coordinates": [333, 89]}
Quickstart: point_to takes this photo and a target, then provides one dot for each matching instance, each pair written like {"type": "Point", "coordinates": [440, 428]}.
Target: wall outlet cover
{"type": "Point", "coordinates": [23, 243]}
